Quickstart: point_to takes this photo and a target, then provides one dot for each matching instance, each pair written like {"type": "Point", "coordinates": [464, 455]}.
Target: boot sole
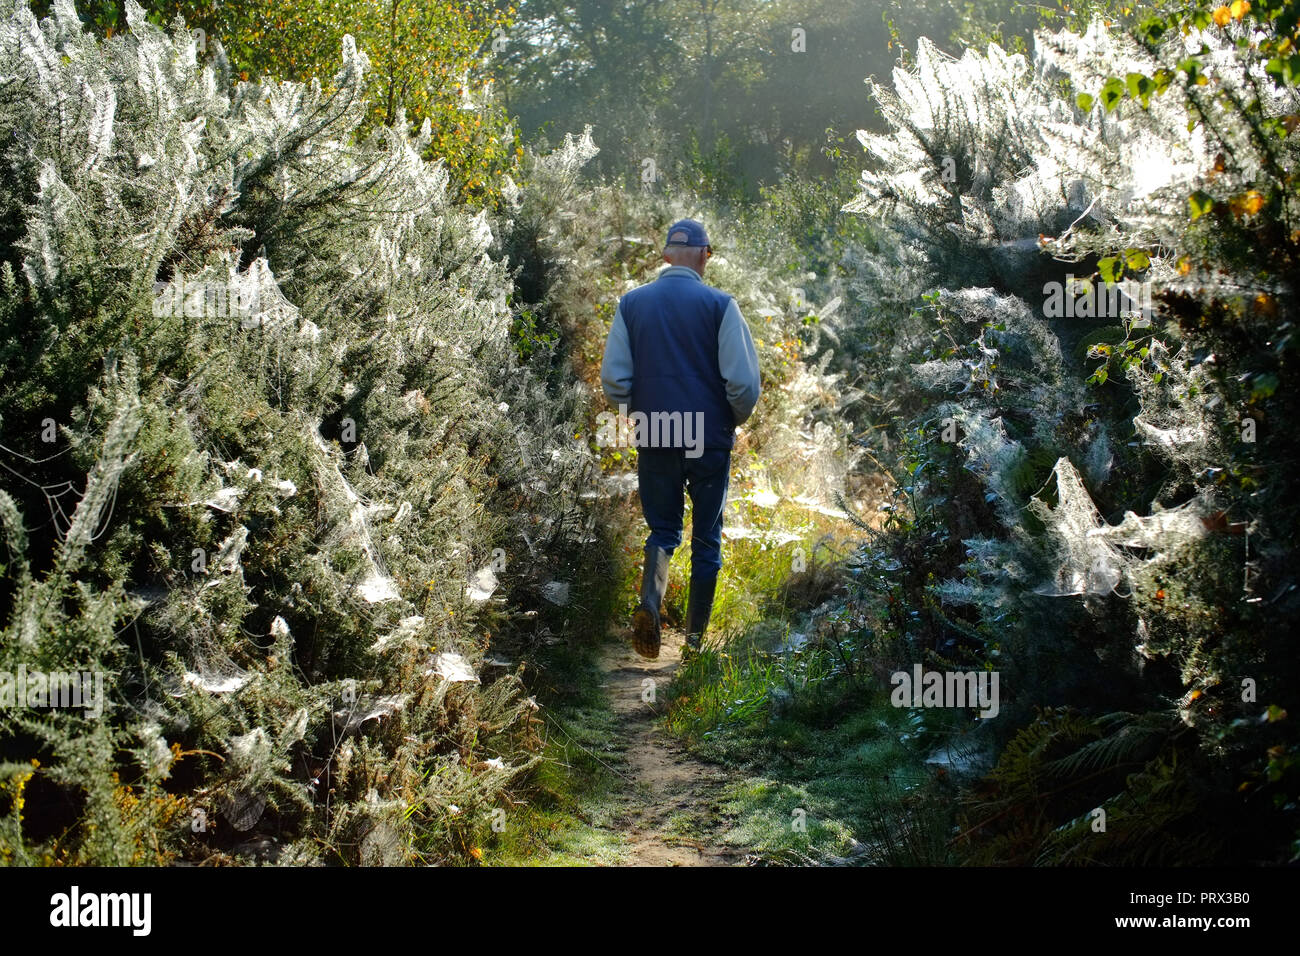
{"type": "Point", "coordinates": [645, 634]}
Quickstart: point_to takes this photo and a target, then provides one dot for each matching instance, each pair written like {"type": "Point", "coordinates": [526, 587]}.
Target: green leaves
{"type": "Point", "coordinates": [1199, 203]}
{"type": "Point", "coordinates": [1285, 70]}
{"type": "Point", "coordinates": [1140, 87]}
{"type": "Point", "coordinates": [1135, 86]}
{"type": "Point", "coordinates": [1263, 386]}
{"type": "Point", "coordinates": [1136, 260]}
{"type": "Point", "coordinates": [1113, 268]}
{"type": "Point", "coordinates": [1192, 67]}
{"type": "Point", "coordinates": [1152, 29]}
{"type": "Point", "coordinates": [425, 60]}
{"type": "Point", "coordinates": [1112, 93]}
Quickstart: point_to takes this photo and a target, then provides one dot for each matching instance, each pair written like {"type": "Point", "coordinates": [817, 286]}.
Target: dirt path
{"type": "Point", "coordinates": [669, 804]}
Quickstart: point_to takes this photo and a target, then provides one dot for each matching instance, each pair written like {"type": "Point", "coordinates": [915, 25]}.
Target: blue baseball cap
{"type": "Point", "coordinates": [687, 232]}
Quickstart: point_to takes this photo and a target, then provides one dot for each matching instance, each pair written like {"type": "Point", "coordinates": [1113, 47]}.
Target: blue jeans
{"type": "Point", "coordinates": [662, 475]}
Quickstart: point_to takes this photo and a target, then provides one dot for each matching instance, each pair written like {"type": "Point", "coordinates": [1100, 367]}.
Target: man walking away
{"type": "Point", "coordinates": [680, 355]}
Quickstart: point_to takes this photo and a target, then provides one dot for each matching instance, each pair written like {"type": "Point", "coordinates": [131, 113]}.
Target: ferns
{"type": "Point", "coordinates": [1070, 789]}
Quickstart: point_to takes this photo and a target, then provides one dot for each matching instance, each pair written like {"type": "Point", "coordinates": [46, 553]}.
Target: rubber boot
{"type": "Point", "coordinates": [699, 609]}
{"type": "Point", "coordinates": [654, 582]}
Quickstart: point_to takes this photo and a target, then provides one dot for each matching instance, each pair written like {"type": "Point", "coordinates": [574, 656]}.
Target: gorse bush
{"type": "Point", "coordinates": [1077, 307]}
{"type": "Point", "coordinates": [272, 464]}
{"type": "Point", "coordinates": [425, 63]}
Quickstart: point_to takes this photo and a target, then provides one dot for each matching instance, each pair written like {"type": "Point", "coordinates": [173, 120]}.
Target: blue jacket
{"type": "Point", "coordinates": [677, 345]}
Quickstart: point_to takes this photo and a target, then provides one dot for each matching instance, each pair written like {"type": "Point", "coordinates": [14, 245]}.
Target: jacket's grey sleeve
{"type": "Point", "coordinates": [616, 367]}
{"type": "Point", "coordinates": [738, 362]}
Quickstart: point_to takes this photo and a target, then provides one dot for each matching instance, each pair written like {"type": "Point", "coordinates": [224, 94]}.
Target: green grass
{"type": "Point", "coordinates": [762, 580]}
{"type": "Point", "coordinates": [763, 592]}
{"type": "Point", "coordinates": [818, 778]}
{"type": "Point", "coordinates": [826, 766]}
{"type": "Point", "coordinates": [718, 688]}
{"type": "Point", "coordinates": [566, 819]}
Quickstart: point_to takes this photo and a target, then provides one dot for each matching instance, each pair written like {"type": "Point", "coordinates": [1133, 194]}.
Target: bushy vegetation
{"type": "Point", "coordinates": [285, 523]}
{"type": "Point", "coordinates": [302, 454]}
{"type": "Point", "coordinates": [425, 64]}
{"type": "Point", "coordinates": [1091, 495]}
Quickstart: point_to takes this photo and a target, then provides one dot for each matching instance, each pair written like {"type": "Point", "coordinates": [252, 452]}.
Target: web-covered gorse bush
{"type": "Point", "coordinates": [1082, 313]}
{"type": "Point", "coordinates": [270, 455]}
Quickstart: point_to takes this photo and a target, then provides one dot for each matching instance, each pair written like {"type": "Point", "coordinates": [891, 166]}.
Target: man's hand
{"type": "Point", "coordinates": [738, 362]}
{"type": "Point", "coordinates": [616, 366]}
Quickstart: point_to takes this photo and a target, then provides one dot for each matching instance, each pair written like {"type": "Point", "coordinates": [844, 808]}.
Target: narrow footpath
{"type": "Point", "coordinates": [669, 804]}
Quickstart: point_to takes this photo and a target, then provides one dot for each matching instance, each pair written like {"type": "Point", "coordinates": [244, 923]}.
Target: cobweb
{"type": "Point", "coordinates": [1094, 557]}
{"type": "Point", "coordinates": [375, 584]}
{"type": "Point", "coordinates": [1176, 405]}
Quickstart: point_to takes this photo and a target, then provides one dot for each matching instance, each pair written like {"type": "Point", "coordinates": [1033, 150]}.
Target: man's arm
{"type": "Point", "coordinates": [616, 367]}
{"type": "Point", "coordinates": [738, 362]}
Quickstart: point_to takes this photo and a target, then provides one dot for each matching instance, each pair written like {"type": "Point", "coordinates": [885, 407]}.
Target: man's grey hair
{"type": "Point", "coordinates": [694, 250]}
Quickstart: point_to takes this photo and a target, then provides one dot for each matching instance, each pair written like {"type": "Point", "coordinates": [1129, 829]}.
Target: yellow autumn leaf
{"type": "Point", "coordinates": [1240, 8]}
{"type": "Point", "coordinates": [1248, 203]}
{"type": "Point", "coordinates": [1222, 15]}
